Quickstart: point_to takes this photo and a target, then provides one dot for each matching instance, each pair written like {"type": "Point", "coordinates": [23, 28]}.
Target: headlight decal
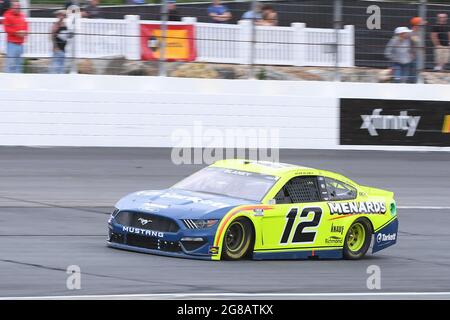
{"type": "Point", "coordinates": [199, 223]}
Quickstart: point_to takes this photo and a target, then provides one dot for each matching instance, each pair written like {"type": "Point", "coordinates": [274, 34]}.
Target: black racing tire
{"type": "Point", "coordinates": [354, 248]}
{"type": "Point", "coordinates": [238, 239]}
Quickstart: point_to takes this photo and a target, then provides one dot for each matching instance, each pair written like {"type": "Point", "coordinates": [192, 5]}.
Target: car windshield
{"type": "Point", "coordinates": [229, 182]}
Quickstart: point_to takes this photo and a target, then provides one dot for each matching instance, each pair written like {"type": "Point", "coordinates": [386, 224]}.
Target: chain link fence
{"type": "Point", "coordinates": [333, 40]}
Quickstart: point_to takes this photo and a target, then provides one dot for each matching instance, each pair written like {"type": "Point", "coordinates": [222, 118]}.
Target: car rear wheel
{"type": "Point", "coordinates": [237, 241]}
{"type": "Point", "coordinates": [357, 240]}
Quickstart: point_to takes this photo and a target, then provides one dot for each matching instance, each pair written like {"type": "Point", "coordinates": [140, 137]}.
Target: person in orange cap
{"type": "Point", "coordinates": [416, 24]}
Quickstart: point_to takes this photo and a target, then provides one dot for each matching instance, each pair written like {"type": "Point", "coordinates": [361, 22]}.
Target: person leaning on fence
{"type": "Point", "coordinates": [59, 37]}
{"type": "Point", "coordinates": [255, 15]}
{"type": "Point", "coordinates": [401, 52]}
{"type": "Point", "coordinates": [172, 11]}
{"type": "Point", "coordinates": [269, 16]}
{"type": "Point", "coordinates": [16, 28]}
{"type": "Point", "coordinates": [417, 23]}
{"type": "Point", "coordinates": [218, 12]}
{"type": "Point", "coordinates": [440, 35]}
{"type": "Point", "coordinates": [92, 10]}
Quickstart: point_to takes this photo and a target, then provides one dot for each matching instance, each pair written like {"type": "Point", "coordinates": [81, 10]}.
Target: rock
{"type": "Point", "coordinates": [112, 65]}
{"type": "Point", "coordinates": [385, 75]}
{"type": "Point", "coordinates": [151, 68]}
{"type": "Point", "coordinates": [86, 66]}
{"type": "Point", "coordinates": [118, 65]}
{"type": "Point", "coordinates": [133, 68]}
{"type": "Point", "coordinates": [2, 62]}
{"type": "Point", "coordinates": [306, 75]}
{"type": "Point", "coordinates": [323, 74]}
{"type": "Point", "coordinates": [36, 65]}
{"type": "Point", "coordinates": [225, 72]}
{"type": "Point", "coordinates": [195, 70]}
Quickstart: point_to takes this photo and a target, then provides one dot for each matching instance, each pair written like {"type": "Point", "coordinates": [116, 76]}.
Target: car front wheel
{"type": "Point", "coordinates": [237, 241]}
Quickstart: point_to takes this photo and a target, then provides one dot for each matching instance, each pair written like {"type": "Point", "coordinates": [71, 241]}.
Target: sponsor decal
{"type": "Point", "coordinates": [376, 121]}
{"type": "Point", "coordinates": [258, 212]}
{"type": "Point", "coordinates": [276, 165]}
{"type": "Point", "coordinates": [144, 221]}
{"type": "Point", "coordinates": [239, 173]}
{"type": "Point", "coordinates": [232, 213]}
{"type": "Point", "coordinates": [172, 195]}
{"type": "Point", "coordinates": [349, 208]}
{"type": "Point", "coordinates": [143, 232]}
{"type": "Point", "coordinates": [334, 240]}
{"type": "Point", "coordinates": [446, 125]}
{"type": "Point", "coordinates": [386, 237]}
{"type": "Point", "coordinates": [337, 229]}
{"type": "Point", "coordinates": [381, 237]}
{"type": "Point", "coordinates": [151, 207]}
{"type": "Point", "coordinates": [214, 250]}
{"type": "Point", "coordinates": [180, 44]}
{"type": "Point", "coordinates": [385, 122]}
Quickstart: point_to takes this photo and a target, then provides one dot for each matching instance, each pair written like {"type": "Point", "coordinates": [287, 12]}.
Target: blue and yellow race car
{"type": "Point", "coordinates": [236, 209]}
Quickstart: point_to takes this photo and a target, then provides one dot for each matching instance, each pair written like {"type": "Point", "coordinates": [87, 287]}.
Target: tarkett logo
{"type": "Point", "coordinates": [386, 237]}
{"type": "Point", "coordinates": [376, 121]}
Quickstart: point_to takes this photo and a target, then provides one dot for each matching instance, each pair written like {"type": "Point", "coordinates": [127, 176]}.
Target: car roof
{"type": "Point", "coordinates": [265, 167]}
{"type": "Point", "coordinates": [278, 169]}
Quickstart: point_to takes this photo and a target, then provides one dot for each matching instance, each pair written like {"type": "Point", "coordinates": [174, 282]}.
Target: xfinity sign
{"type": "Point", "coordinates": [376, 121]}
{"type": "Point", "coordinates": [393, 122]}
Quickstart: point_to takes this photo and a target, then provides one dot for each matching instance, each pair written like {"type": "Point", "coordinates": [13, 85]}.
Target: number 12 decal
{"type": "Point", "coordinates": [300, 235]}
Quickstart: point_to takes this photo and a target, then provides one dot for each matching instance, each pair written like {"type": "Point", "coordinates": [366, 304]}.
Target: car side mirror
{"type": "Point", "coordinates": [272, 201]}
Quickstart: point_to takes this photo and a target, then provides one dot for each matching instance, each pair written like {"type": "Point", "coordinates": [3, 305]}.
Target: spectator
{"type": "Point", "coordinates": [440, 37]}
{"type": "Point", "coordinates": [254, 15]}
{"type": "Point", "coordinates": [416, 24]}
{"type": "Point", "coordinates": [92, 10]}
{"type": "Point", "coordinates": [269, 16]}
{"type": "Point", "coordinates": [16, 28]}
{"type": "Point", "coordinates": [400, 51]}
{"type": "Point", "coordinates": [173, 14]}
{"type": "Point", "coordinates": [4, 6]}
{"type": "Point", "coordinates": [59, 37]}
{"type": "Point", "coordinates": [218, 12]}
{"type": "Point", "coordinates": [69, 3]}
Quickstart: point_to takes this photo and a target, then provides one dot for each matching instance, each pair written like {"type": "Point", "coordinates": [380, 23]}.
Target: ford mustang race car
{"type": "Point", "coordinates": [237, 209]}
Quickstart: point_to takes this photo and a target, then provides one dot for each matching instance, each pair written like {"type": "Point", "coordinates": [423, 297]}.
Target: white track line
{"type": "Point", "coordinates": [236, 295]}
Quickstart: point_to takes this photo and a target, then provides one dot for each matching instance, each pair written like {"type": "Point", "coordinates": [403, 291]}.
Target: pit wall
{"type": "Point", "coordinates": [128, 111]}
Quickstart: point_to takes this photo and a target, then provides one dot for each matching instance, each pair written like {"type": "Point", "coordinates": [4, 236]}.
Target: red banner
{"type": "Point", "coordinates": [180, 44]}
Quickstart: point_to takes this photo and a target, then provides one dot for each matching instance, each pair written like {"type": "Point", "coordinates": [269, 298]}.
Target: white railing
{"type": "Point", "coordinates": [296, 45]}
{"type": "Point", "coordinates": [217, 42]}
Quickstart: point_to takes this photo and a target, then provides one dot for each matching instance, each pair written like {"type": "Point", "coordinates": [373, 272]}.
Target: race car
{"type": "Point", "coordinates": [237, 209]}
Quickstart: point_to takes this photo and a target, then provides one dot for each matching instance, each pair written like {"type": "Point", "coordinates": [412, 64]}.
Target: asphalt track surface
{"type": "Point", "coordinates": [54, 204]}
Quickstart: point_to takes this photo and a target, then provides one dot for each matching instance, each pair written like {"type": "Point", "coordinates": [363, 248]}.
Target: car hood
{"type": "Point", "coordinates": [180, 204]}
